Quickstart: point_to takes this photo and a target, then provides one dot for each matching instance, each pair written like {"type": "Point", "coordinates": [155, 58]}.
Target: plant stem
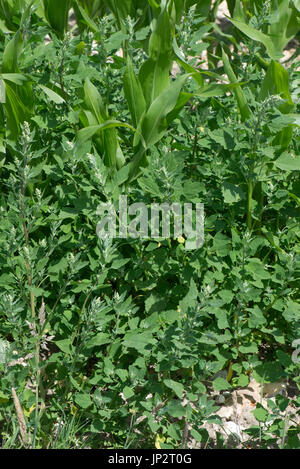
{"type": "Point", "coordinates": [249, 212]}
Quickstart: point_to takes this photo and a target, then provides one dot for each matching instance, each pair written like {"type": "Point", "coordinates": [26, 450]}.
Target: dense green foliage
{"type": "Point", "coordinates": [116, 343]}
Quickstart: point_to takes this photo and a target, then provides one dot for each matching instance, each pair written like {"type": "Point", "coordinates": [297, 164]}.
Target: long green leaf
{"type": "Point", "coordinates": [276, 82]}
{"type": "Point", "coordinates": [256, 35]}
{"type": "Point", "coordinates": [88, 132]}
{"type": "Point", "coordinates": [154, 123]}
{"type": "Point", "coordinates": [11, 54]}
{"type": "Point", "coordinates": [88, 21]}
{"type": "Point", "coordinates": [93, 101]}
{"type": "Point", "coordinates": [16, 78]}
{"type": "Point", "coordinates": [133, 93]}
{"type": "Point", "coordinates": [56, 98]}
{"type": "Point", "coordinates": [57, 12]}
{"type": "Point", "coordinates": [154, 75]}
{"type": "Point", "coordinates": [2, 92]}
{"type": "Point", "coordinates": [16, 113]}
{"type": "Point", "coordinates": [244, 109]}
{"type": "Point", "coordinates": [217, 89]}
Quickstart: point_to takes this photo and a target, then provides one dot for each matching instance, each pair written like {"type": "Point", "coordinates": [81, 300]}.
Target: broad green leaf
{"type": "Point", "coordinates": [113, 156]}
{"type": "Point", "coordinates": [246, 349]}
{"type": "Point", "coordinates": [138, 340]}
{"type": "Point", "coordinates": [94, 102]}
{"type": "Point", "coordinates": [297, 4]}
{"type": "Point", "coordinates": [100, 339]}
{"type": "Point", "coordinates": [276, 82]}
{"type": "Point", "coordinates": [83, 400]}
{"type": "Point", "coordinates": [175, 409]}
{"type": "Point", "coordinates": [4, 29]}
{"type": "Point", "coordinates": [4, 398]}
{"type": "Point", "coordinates": [2, 91]}
{"type": "Point", "coordinates": [257, 269]}
{"type": "Point", "coordinates": [121, 10]}
{"type": "Point", "coordinates": [115, 41]}
{"type": "Point", "coordinates": [238, 93]}
{"type": "Point", "coordinates": [87, 19]}
{"type": "Point", "coordinates": [118, 263]}
{"type": "Point", "coordinates": [16, 78]}
{"type": "Point", "coordinates": [128, 392]}
{"type": "Point", "coordinates": [19, 99]}
{"type": "Point", "coordinates": [281, 31]}
{"type": "Point", "coordinates": [65, 345]}
{"type": "Point", "coordinates": [256, 317]}
{"type": "Point", "coordinates": [243, 381]}
{"type": "Point", "coordinates": [183, 99]}
{"type": "Point", "coordinates": [16, 112]}
{"type": "Point", "coordinates": [133, 93]}
{"type": "Point", "coordinates": [232, 193]}
{"type": "Point", "coordinates": [56, 98]}
{"type": "Point", "coordinates": [57, 12]}
{"type": "Point", "coordinates": [154, 123]}
{"type": "Point", "coordinates": [260, 413]}
{"type": "Point", "coordinates": [296, 118]}
{"type": "Point", "coordinates": [88, 132]}
{"type": "Point", "coordinates": [220, 384]}
{"type": "Point", "coordinates": [288, 162]}
{"type": "Point", "coordinates": [178, 388]}
{"type": "Point", "coordinates": [221, 244]}
{"type": "Point", "coordinates": [154, 75]}
{"type": "Point", "coordinates": [150, 186]}
{"type": "Point", "coordinates": [11, 54]}
{"type": "Point", "coordinates": [238, 13]}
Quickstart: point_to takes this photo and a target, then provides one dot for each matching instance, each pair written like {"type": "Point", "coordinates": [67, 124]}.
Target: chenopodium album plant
{"type": "Point", "coordinates": [129, 339]}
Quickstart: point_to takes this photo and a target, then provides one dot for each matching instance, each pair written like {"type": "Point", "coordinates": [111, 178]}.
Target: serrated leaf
{"type": "Point", "coordinates": [231, 193]}
{"type": "Point", "coordinates": [288, 162]}
{"type": "Point", "coordinates": [178, 388]}
{"type": "Point", "coordinates": [260, 413]}
{"type": "Point", "coordinates": [65, 345]}
{"type": "Point", "coordinates": [83, 400]}
{"type": "Point", "coordinates": [128, 392]}
{"type": "Point", "coordinates": [220, 384]}
{"type": "Point", "coordinates": [175, 409]}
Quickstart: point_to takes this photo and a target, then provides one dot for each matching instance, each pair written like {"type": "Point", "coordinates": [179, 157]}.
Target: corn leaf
{"type": "Point", "coordinates": [11, 54]}
{"type": "Point", "coordinates": [94, 102]}
{"type": "Point", "coordinates": [276, 82]}
{"type": "Point", "coordinates": [154, 123]}
{"type": "Point", "coordinates": [244, 109]}
{"type": "Point", "coordinates": [88, 132]}
{"type": "Point", "coordinates": [2, 91]}
{"type": "Point", "coordinates": [57, 12]}
{"type": "Point", "coordinates": [259, 36]}
{"type": "Point", "coordinates": [16, 78]}
{"type": "Point", "coordinates": [154, 75]}
{"type": "Point", "coordinates": [133, 93]}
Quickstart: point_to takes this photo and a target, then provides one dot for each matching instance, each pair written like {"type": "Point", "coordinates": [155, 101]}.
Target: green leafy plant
{"type": "Point", "coordinates": [137, 342]}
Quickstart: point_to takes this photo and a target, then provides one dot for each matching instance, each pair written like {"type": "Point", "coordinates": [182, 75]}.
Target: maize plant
{"type": "Point", "coordinates": [149, 225]}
